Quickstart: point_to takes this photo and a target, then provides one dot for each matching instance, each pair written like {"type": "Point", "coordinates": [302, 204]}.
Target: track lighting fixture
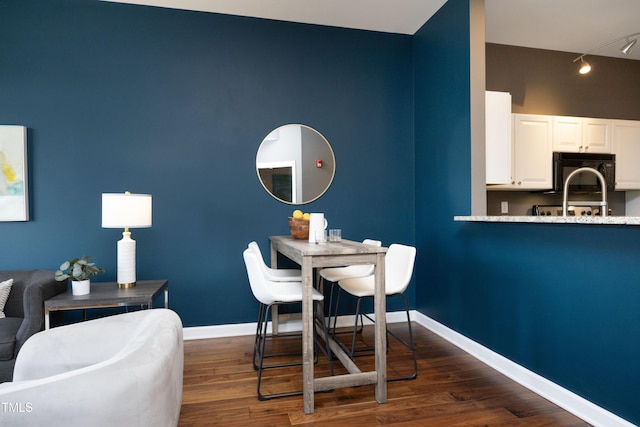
{"type": "Point", "coordinates": [625, 49]}
{"type": "Point", "coordinates": [584, 66]}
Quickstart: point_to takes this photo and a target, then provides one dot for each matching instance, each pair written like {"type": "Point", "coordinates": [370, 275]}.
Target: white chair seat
{"type": "Point", "coordinates": [336, 274]}
{"type": "Point", "coordinates": [359, 286]}
{"type": "Point", "coordinates": [289, 292]}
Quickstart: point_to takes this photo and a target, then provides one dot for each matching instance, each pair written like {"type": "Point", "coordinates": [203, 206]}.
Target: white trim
{"type": "Point", "coordinates": [286, 323]}
{"type": "Point", "coordinates": [562, 397]}
{"type": "Point", "coordinates": [580, 407]}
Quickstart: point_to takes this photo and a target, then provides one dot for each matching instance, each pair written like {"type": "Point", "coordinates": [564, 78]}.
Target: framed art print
{"type": "Point", "coordinates": [14, 200]}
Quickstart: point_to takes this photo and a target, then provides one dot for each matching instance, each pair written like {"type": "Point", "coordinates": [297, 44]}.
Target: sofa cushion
{"type": "Point", "coordinates": [8, 329]}
{"type": "Point", "coordinates": [5, 288]}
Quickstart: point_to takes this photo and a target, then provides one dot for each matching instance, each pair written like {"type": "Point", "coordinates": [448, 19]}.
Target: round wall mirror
{"type": "Point", "coordinates": [295, 164]}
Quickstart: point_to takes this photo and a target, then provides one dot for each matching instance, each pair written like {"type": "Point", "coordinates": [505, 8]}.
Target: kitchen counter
{"type": "Point", "coordinates": [596, 220]}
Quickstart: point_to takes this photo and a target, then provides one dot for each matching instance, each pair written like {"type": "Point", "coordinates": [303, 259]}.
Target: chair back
{"type": "Point", "coordinates": [399, 263]}
{"type": "Point", "coordinates": [365, 269]}
{"type": "Point", "coordinates": [258, 253]}
{"type": "Point", "coordinates": [257, 280]}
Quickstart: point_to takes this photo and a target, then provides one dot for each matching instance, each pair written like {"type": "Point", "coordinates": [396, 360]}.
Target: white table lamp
{"type": "Point", "coordinates": [126, 210]}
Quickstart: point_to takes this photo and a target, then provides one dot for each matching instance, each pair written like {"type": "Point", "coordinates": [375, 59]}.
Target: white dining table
{"type": "Point", "coordinates": [335, 254]}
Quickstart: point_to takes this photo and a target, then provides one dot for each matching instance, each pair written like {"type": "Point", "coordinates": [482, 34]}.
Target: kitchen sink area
{"type": "Point", "coordinates": [521, 203]}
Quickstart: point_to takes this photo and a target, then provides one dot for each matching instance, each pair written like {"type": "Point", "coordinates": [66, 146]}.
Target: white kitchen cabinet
{"type": "Point", "coordinates": [498, 137]}
{"type": "Point", "coordinates": [626, 146]}
{"type": "Point", "coordinates": [567, 134]}
{"type": "Point", "coordinates": [532, 157]}
{"type": "Point", "coordinates": [581, 135]}
{"type": "Point", "coordinates": [596, 135]}
{"type": "Point", "coordinates": [532, 148]}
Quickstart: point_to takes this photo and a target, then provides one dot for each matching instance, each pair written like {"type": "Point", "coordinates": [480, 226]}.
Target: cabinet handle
{"type": "Point", "coordinates": [519, 182]}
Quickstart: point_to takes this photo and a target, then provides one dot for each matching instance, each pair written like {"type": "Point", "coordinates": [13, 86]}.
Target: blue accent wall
{"type": "Point", "coordinates": [175, 103]}
{"type": "Point", "coordinates": [560, 300]}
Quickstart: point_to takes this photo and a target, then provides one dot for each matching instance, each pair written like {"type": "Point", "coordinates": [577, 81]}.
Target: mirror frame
{"type": "Point", "coordinates": [290, 163]}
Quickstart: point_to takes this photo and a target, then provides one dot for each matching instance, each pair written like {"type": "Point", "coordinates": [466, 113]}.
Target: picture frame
{"type": "Point", "coordinates": [14, 189]}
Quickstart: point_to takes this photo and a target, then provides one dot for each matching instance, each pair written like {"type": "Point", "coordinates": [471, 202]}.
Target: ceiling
{"type": "Point", "coordinates": [566, 25]}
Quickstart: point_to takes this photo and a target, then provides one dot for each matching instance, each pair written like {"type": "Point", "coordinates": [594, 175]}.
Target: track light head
{"type": "Point", "coordinates": [628, 47]}
{"type": "Point", "coordinates": [584, 66]}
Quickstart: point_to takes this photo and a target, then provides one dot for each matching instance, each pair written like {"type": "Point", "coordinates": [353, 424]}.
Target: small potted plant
{"type": "Point", "coordinates": [79, 270]}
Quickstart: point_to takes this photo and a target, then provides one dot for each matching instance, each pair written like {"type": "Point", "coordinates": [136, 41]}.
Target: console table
{"type": "Point", "coordinates": [107, 294]}
{"type": "Point", "coordinates": [311, 255]}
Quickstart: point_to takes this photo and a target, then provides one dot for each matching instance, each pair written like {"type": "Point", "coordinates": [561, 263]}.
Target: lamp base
{"type": "Point", "coordinates": [126, 261]}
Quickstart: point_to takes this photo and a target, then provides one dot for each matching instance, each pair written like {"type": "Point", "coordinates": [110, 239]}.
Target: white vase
{"type": "Point", "coordinates": [80, 287]}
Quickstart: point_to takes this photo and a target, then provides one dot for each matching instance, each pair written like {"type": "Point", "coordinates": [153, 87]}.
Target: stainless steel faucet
{"type": "Point", "coordinates": [603, 185]}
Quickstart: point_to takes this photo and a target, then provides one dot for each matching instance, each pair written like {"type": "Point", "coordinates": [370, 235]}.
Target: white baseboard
{"type": "Point", "coordinates": [562, 397]}
{"type": "Point", "coordinates": [287, 323]}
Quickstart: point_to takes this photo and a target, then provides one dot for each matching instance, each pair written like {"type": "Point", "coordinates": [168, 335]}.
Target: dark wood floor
{"type": "Point", "coordinates": [452, 389]}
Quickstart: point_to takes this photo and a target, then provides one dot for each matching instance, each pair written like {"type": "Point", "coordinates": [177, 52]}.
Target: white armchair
{"type": "Point", "coordinates": [122, 370]}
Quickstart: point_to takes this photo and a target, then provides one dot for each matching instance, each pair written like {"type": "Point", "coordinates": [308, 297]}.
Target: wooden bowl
{"type": "Point", "coordinates": [299, 228]}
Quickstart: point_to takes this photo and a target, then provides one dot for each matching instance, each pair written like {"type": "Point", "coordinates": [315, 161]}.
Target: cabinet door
{"type": "Point", "coordinates": [596, 135]}
{"type": "Point", "coordinates": [498, 137]}
{"type": "Point", "coordinates": [567, 134]}
{"type": "Point", "coordinates": [626, 147]}
{"type": "Point", "coordinates": [532, 151]}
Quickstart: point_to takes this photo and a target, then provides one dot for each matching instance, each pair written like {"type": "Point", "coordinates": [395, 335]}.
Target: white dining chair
{"type": "Point", "coordinates": [271, 293]}
{"type": "Point", "coordinates": [332, 275]}
{"type": "Point", "coordinates": [275, 274]}
{"type": "Point", "coordinates": [399, 262]}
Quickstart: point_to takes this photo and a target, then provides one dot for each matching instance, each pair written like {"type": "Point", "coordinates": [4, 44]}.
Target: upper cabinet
{"type": "Point", "coordinates": [581, 135]}
{"type": "Point", "coordinates": [532, 151]}
{"type": "Point", "coordinates": [626, 147]}
{"type": "Point", "coordinates": [596, 135]}
{"type": "Point", "coordinates": [523, 160]}
{"type": "Point", "coordinates": [530, 148]}
{"type": "Point", "coordinates": [498, 137]}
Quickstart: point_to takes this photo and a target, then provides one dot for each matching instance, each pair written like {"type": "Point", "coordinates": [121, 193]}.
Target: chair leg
{"type": "Point", "coordinates": [335, 313]}
{"type": "Point", "coordinates": [260, 346]}
{"type": "Point", "coordinates": [355, 328]}
{"type": "Point", "coordinates": [410, 345]}
{"type": "Point", "coordinates": [264, 320]}
{"type": "Point", "coordinates": [256, 343]}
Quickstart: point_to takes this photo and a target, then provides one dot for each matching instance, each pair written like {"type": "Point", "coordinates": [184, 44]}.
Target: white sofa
{"type": "Point", "coordinates": [122, 370]}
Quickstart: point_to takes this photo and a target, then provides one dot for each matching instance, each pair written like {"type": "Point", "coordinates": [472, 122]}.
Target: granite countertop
{"type": "Point", "coordinates": [597, 220]}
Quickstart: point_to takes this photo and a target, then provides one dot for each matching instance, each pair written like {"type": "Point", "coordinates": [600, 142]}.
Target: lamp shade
{"type": "Point", "coordinates": [126, 210]}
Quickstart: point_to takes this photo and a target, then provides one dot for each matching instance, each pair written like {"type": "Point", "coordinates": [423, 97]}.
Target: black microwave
{"type": "Point", "coordinates": [565, 163]}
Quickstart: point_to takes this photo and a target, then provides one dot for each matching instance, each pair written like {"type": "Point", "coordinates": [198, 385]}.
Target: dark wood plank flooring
{"type": "Point", "coordinates": [452, 389]}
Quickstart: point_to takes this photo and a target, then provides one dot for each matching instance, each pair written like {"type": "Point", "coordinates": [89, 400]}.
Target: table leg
{"type": "Point", "coordinates": [307, 335]}
{"type": "Point", "coordinates": [166, 298]}
{"type": "Point", "coordinates": [47, 323]}
{"type": "Point", "coordinates": [380, 311]}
